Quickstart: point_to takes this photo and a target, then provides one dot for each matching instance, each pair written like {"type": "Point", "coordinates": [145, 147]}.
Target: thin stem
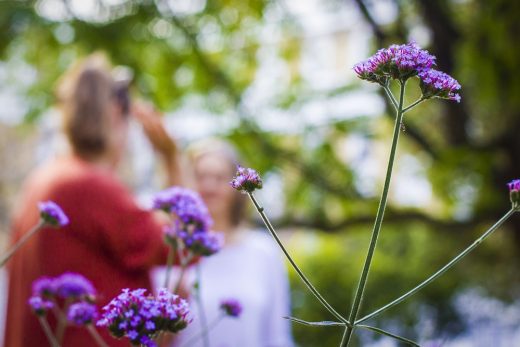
{"type": "Point", "coordinates": [391, 96]}
{"type": "Point", "coordinates": [169, 263]}
{"type": "Point", "coordinates": [202, 312]}
{"type": "Point", "coordinates": [21, 242]}
{"type": "Point", "coordinates": [95, 335]}
{"type": "Point", "coordinates": [296, 268]}
{"type": "Point", "coordinates": [184, 265]}
{"type": "Point", "coordinates": [48, 332]}
{"type": "Point", "coordinates": [377, 225]}
{"type": "Point", "coordinates": [204, 331]}
{"type": "Point", "coordinates": [62, 321]}
{"type": "Point", "coordinates": [415, 103]}
{"type": "Point", "coordinates": [440, 271]}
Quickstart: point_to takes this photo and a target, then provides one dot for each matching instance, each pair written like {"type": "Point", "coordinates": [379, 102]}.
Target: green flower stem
{"type": "Point", "coordinates": [48, 332]}
{"type": "Point", "coordinates": [184, 266]}
{"type": "Point", "coordinates": [377, 225]}
{"type": "Point", "coordinates": [95, 335]}
{"type": "Point", "coordinates": [205, 331]}
{"type": "Point", "coordinates": [441, 271]}
{"type": "Point", "coordinates": [169, 264]}
{"type": "Point", "coordinates": [415, 103]}
{"type": "Point", "coordinates": [296, 268]}
{"type": "Point", "coordinates": [21, 242]}
{"type": "Point", "coordinates": [390, 96]}
{"type": "Point", "coordinates": [202, 313]}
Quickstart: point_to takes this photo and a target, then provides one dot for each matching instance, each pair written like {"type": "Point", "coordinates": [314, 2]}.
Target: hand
{"type": "Point", "coordinates": [153, 126]}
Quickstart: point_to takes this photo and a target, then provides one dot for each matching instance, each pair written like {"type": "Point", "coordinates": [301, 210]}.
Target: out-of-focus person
{"type": "Point", "coordinates": [249, 267]}
{"type": "Point", "coordinates": [110, 240]}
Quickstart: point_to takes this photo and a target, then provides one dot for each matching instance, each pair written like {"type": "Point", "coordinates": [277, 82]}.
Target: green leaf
{"type": "Point", "coordinates": [384, 332]}
{"type": "Point", "coordinates": [314, 324]}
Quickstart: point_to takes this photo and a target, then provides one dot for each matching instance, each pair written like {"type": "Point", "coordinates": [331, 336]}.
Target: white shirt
{"type": "Point", "coordinates": [252, 271]}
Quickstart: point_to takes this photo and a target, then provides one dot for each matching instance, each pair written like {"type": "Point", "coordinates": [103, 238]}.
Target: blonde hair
{"type": "Point", "coordinates": [85, 94]}
{"type": "Point", "coordinates": [224, 149]}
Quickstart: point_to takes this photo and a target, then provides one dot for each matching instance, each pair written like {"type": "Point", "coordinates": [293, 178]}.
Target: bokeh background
{"type": "Point", "coordinates": [274, 78]}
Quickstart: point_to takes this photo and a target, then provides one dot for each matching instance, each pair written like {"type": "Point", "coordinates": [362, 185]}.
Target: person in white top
{"type": "Point", "coordinates": [249, 268]}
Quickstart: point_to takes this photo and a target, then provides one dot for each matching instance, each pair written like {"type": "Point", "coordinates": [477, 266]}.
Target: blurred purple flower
{"type": "Point", "coordinates": [231, 307]}
{"type": "Point", "coordinates": [437, 84]}
{"type": "Point", "coordinates": [81, 313]}
{"type": "Point", "coordinates": [39, 305]}
{"type": "Point", "coordinates": [204, 244]}
{"type": "Point", "coordinates": [246, 180]}
{"type": "Point", "coordinates": [187, 205]}
{"type": "Point", "coordinates": [52, 214]}
{"type": "Point", "coordinates": [395, 62]}
{"type": "Point", "coordinates": [44, 287]}
{"type": "Point", "coordinates": [141, 317]}
{"type": "Point", "coordinates": [73, 285]}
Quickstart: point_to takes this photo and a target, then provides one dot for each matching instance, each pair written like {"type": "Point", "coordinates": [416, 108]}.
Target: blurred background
{"type": "Point", "coordinates": [274, 78]}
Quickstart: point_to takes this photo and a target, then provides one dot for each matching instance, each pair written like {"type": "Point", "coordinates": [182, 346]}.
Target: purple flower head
{"type": "Point", "coordinates": [44, 287]}
{"type": "Point", "coordinates": [141, 317]}
{"type": "Point", "coordinates": [52, 214]}
{"type": "Point", "coordinates": [437, 84]}
{"type": "Point", "coordinates": [231, 307]}
{"type": "Point", "coordinates": [40, 306]}
{"type": "Point", "coordinates": [73, 285]}
{"type": "Point", "coordinates": [81, 313]}
{"type": "Point", "coordinates": [187, 205]}
{"type": "Point", "coordinates": [395, 62]}
{"type": "Point", "coordinates": [204, 244]}
{"type": "Point", "coordinates": [514, 193]}
{"type": "Point", "coordinates": [246, 180]}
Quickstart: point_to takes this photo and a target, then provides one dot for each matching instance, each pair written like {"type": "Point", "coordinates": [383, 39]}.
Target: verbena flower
{"type": "Point", "coordinates": [246, 180]}
{"type": "Point", "coordinates": [231, 307]}
{"type": "Point", "coordinates": [52, 214]}
{"type": "Point", "coordinates": [141, 317]}
{"type": "Point", "coordinates": [44, 287]}
{"type": "Point", "coordinates": [204, 244]}
{"type": "Point", "coordinates": [186, 204]}
{"type": "Point", "coordinates": [437, 84]}
{"type": "Point", "coordinates": [39, 305]}
{"type": "Point", "coordinates": [81, 313]}
{"type": "Point", "coordinates": [73, 286]}
{"type": "Point", "coordinates": [395, 62]}
{"type": "Point", "coordinates": [514, 192]}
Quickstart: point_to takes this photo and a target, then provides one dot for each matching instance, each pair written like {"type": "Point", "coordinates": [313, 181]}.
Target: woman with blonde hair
{"type": "Point", "coordinates": [110, 240]}
{"type": "Point", "coordinates": [249, 268]}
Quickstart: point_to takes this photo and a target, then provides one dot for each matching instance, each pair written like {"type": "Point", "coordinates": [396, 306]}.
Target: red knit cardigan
{"type": "Point", "coordinates": [109, 240]}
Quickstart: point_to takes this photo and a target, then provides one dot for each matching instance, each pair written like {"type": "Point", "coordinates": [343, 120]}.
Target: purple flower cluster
{"type": "Point", "coordinates": [52, 214]}
{"type": "Point", "coordinates": [204, 244]}
{"type": "Point", "coordinates": [231, 307]}
{"type": "Point", "coordinates": [67, 286]}
{"type": "Point", "coordinates": [50, 292]}
{"type": "Point", "coordinates": [141, 317]}
{"type": "Point", "coordinates": [438, 84]}
{"type": "Point", "coordinates": [39, 305]}
{"type": "Point", "coordinates": [404, 61]}
{"type": "Point", "coordinates": [246, 180]}
{"type": "Point", "coordinates": [398, 62]}
{"type": "Point", "coordinates": [186, 204]}
{"type": "Point", "coordinates": [514, 192]}
{"type": "Point", "coordinates": [192, 222]}
{"type": "Point", "coordinates": [82, 313]}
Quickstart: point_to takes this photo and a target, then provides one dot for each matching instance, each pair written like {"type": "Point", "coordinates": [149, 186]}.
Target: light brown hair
{"type": "Point", "coordinates": [85, 94]}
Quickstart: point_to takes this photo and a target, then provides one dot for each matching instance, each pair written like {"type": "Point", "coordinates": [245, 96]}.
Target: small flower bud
{"type": "Point", "coordinates": [52, 214]}
{"type": "Point", "coordinates": [514, 193]}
